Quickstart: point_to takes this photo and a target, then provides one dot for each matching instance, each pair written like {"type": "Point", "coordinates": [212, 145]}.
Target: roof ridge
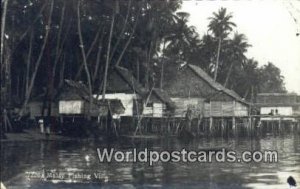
{"type": "Point", "coordinates": [201, 73]}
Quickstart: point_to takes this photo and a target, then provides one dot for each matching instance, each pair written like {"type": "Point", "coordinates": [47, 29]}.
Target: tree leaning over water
{"type": "Point", "coordinates": [42, 47]}
{"type": "Point", "coordinates": [39, 64]}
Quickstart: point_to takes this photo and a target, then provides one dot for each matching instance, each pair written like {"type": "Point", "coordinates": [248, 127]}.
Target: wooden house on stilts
{"type": "Point", "coordinates": [278, 111]}
{"type": "Point", "coordinates": [215, 106]}
{"type": "Point", "coordinates": [138, 101]}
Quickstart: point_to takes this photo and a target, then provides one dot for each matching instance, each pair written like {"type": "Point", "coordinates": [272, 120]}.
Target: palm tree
{"type": "Point", "coordinates": [252, 83]}
{"type": "Point", "coordinates": [220, 25]}
{"type": "Point", "coordinates": [179, 41]}
{"type": "Point", "coordinates": [237, 48]}
{"type": "Point", "coordinates": [182, 37]}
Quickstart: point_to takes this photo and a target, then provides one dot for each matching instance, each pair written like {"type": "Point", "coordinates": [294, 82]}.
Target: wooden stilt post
{"type": "Point", "coordinates": [198, 126]}
{"type": "Point", "coordinates": [222, 127]}
{"type": "Point", "coordinates": [249, 126]}
{"type": "Point", "coordinates": [234, 125]}
{"type": "Point", "coordinates": [279, 125]}
{"type": "Point", "coordinates": [210, 125]}
{"type": "Point", "coordinates": [272, 127]}
{"type": "Point", "coordinates": [293, 127]}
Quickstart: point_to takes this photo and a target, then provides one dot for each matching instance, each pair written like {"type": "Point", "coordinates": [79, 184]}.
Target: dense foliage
{"type": "Point", "coordinates": [45, 42]}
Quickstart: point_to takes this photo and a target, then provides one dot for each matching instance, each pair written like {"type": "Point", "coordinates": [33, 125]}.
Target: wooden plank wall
{"type": "Point", "coordinates": [194, 104]}
{"type": "Point", "coordinates": [35, 109]}
{"type": "Point", "coordinates": [241, 110]}
{"type": "Point", "coordinates": [154, 110]}
{"type": "Point", "coordinates": [225, 109]}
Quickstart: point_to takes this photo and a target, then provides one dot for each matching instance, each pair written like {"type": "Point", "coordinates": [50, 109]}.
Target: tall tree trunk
{"type": "Point", "coordinates": [50, 80]}
{"type": "Point", "coordinates": [85, 62]}
{"type": "Point", "coordinates": [29, 62]}
{"type": "Point", "coordinates": [3, 21]}
{"type": "Point", "coordinates": [148, 54]}
{"type": "Point", "coordinates": [62, 72]}
{"type": "Point", "coordinates": [127, 43]}
{"type": "Point", "coordinates": [218, 57]}
{"type": "Point", "coordinates": [5, 62]}
{"type": "Point", "coordinates": [228, 74]}
{"type": "Point", "coordinates": [122, 31]}
{"type": "Point", "coordinates": [108, 55]}
{"type": "Point", "coordinates": [98, 58]}
{"type": "Point", "coordinates": [162, 66]}
{"type": "Point", "coordinates": [78, 74]}
{"type": "Point", "coordinates": [52, 69]}
{"type": "Point", "coordinates": [138, 69]}
{"type": "Point", "coordinates": [32, 81]}
{"type": "Point", "coordinates": [59, 42]}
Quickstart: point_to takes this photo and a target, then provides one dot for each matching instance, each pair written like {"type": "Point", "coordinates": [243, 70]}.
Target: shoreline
{"type": "Point", "coordinates": [33, 135]}
{"type": "Point", "coordinates": [30, 135]}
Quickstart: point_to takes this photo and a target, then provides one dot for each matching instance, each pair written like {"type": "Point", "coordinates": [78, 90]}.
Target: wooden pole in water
{"type": "Point", "coordinates": [222, 126]}
{"type": "Point", "coordinates": [279, 125]}
{"type": "Point", "coordinates": [272, 127]}
{"type": "Point", "coordinates": [234, 125]}
{"type": "Point", "coordinates": [198, 126]}
{"type": "Point", "coordinates": [210, 125]}
{"type": "Point", "coordinates": [251, 125]}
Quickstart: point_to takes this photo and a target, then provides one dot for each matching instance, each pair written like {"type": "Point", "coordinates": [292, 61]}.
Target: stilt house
{"type": "Point", "coordinates": [192, 88]}
{"type": "Point", "coordinates": [74, 101]}
{"type": "Point", "coordinates": [278, 104]}
{"type": "Point", "coordinates": [122, 85]}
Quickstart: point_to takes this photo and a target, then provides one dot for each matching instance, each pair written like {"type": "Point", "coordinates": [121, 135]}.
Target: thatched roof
{"type": "Point", "coordinates": [127, 76]}
{"type": "Point", "coordinates": [164, 97]}
{"type": "Point", "coordinates": [276, 94]}
{"type": "Point", "coordinates": [74, 91]}
{"type": "Point", "coordinates": [130, 79]}
{"type": "Point", "coordinates": [277, 104]}
{"type": "Point", "coordinates": [79, 91]}
{"type": "Point", "coordinates": [277, 99]}
{"type": "Point", "coordinates": [202, 74]}
{"type": "Point", "coordinates": [121, 80]}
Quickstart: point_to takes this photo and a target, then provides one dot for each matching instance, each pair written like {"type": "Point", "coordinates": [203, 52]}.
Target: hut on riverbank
{"type": "Point", "coordinates": [159, 104]}
{"type": "Point", "coordinates": [142, 106]}
{"type": "Point", "coordinates": [278, 106]}
{"type": "Point", "coordinates": [193, 90]}
{"type": "Point", "coordinates": [37, 105]}
{"type": "Point", "coordinates": [74, 101]}
{"type": "Point", "coordinates": [122, 85]}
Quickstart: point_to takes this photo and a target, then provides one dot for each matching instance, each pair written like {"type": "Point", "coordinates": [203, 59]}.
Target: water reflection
{"type": "Point", "coordinates": [70, 158]}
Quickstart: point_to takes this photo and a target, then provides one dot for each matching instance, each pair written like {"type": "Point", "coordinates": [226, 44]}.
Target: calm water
{"type": "Point", "coordinates": [18, 159]}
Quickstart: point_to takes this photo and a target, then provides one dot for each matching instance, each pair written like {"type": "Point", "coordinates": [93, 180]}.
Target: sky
{"type": "Point", "coordinates": [269, 26]}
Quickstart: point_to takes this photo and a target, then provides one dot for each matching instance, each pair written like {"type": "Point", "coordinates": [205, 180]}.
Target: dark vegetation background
{"type": "Point", "coordinates": [44, 42]}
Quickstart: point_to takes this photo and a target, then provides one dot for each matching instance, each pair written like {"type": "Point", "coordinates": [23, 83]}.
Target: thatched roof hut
{"type": "Point", "coordinates": [75, 100]}
{"type": "Point", "coordinates": [164, 97]}
{"type": "Point", "coordinates": [191, 87]}
{"type": "Point", "coordinates": [192, 81]}
{"type": "Point", "coordinates": [278, 103]}
{"type": "Point", "coordinates": [121, 80]}
{"type": "Point", "coordinates": [121, 84]}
